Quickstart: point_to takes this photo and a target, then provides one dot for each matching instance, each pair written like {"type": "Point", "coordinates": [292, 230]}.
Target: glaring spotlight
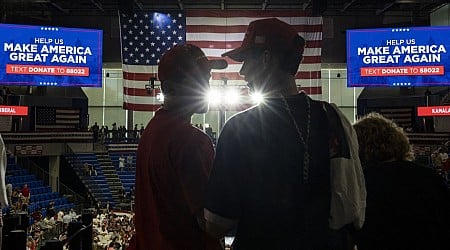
{"type": "Point", "coordinates": [214, 97]}
{"type": "Point", "coordinates": [257, 98]}
{"type": "Point", "coordinates": [160, 97]}
{"type": "Point", "coordinates": [231, 96]}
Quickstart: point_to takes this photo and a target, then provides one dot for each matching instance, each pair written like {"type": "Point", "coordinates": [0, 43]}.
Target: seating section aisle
{"type": "Point", "coordinates": [93, 179]}
{"type": "Point", "coordinates": [127, 174]}
{"type": "Point", "coordinates": [40, 195]}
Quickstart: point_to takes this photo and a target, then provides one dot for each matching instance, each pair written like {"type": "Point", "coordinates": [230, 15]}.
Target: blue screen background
{"type": "Point", "coordinates": [71, 37]}
{"type": "Point", "coordinates": [378, 37]}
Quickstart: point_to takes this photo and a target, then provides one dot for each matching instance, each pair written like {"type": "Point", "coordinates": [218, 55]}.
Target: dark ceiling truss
{"type": "Point", "coordinates": [330, 7]}
{"type": "Point", "coordinates": [307, 4]}
{"type": "Point", "coordinates": [97, 4]}
{"type": "Point", "coordinates": [139, 5]}
{"type": "Point", "coordinates": [58, 7]}
{"type": "Point", "coordinates": [348, 5]}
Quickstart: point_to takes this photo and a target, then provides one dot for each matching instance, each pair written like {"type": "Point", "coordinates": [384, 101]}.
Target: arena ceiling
{"type": "Point", "coordinates": [50, 8]}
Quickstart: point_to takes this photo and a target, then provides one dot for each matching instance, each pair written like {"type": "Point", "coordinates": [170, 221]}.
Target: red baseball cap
{"type": "Point", "coordinates": [177, 61]}
{"type": "Point", "coordinates": [270, 33]}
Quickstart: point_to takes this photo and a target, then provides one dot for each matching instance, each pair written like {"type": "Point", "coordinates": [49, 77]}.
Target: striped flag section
{"type": "Point", "coordinates": [217, 32]}
{"type": "Point", "coordinates": [50, 119]}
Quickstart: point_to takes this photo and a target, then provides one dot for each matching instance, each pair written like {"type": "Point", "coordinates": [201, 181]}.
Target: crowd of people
{"type": "Point", "coordinates": [116, 133]}
{"type": "Point", "coordinates": [112, 230]}
{"type": "Point", "coordinates": [126, 163]}
{"type": "Point", "coordinates": [18, 198]}
{"type": "Point", "coordinates": [120, 133]}
{"type": "Point", "coordinates": [440, 161]}
{"type": "Point", "coordinates": [46, 222]}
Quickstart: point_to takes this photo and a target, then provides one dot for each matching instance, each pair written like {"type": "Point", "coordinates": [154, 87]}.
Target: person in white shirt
{"type": "Point", "coordinates": [73, 214]}
{"type": "Point", "coordinates": [121, 163]}
{"type": "Point", "coordinates": [67, 219]}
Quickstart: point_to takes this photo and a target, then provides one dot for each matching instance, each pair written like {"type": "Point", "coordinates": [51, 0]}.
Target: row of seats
{"type": "Point", "coordinates": [20, 178]}
{"type": "Point", "coordinates": [43, 197]}
{"type": "Point", "coordinates": [40, 190]}
{"type": "Point", "coordinates": [129, 175]}
{"type": "Point", "coordinates": [10, 160]}
{"type": "Point", "coordinates": [96, 184]}
{"type": "Point", "coordinates": [40, 195]}
{"type": "Point", "coordinates": [16, 172]}
{"type": "Point", "coordinates": [81, 158]}
{"type": "Point", "coordinates": [128, 181]}
{"type": "Point", "coordinates": [31, 184]}
{"type": "Point", "coordinates": [101, 190]}
{"type": "Point", "coordinates": [43, 204]}
{"type": "Point", "coordinates": [60, 204]}
{"type": "Point", "coordinates": [104, 198]}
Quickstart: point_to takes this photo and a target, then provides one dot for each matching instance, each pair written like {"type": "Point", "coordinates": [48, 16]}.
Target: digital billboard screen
{"type": "Point", "coordinates": [396, 57]}
{"type": "Point", "coordinates": [50, 56]}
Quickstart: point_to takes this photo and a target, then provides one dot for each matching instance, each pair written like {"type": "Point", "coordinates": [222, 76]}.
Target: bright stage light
{"type": "Point", "coordinates": [214, 97]}
{"type": "Point", "coordinates": [257, 98]}
{"type": "Point", "coordinates": [160, 97]}
{"type": "Point", "coordinates": [231, 97]}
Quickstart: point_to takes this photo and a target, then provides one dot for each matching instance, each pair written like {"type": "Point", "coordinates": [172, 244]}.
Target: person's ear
{"type": "Point", "coordinates": [168, 87]}
{"type": "Point", "coordinates": [266, 59]}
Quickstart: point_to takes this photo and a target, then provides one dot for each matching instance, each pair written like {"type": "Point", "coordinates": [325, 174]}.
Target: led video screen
{"type": "Point", "coordinates": [50, 56]}
{"type": "Point", "coordinates": [396, 57]}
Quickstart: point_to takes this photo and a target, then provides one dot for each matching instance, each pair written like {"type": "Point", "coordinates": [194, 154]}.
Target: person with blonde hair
{"type": "Point", "coordinates": [381, 140]}
{"type": "Point", "coordinates": [407, 204]}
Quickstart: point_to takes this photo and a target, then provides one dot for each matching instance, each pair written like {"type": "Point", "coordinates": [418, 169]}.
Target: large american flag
{"type": "Point", "coordinates": [54, 118]}
{"type": "Point", "coordinates": [145, 36]}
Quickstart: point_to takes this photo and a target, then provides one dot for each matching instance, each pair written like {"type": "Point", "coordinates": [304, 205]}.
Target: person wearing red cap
{"type": "Point", "coordinates": [272, 178]}
{"type": "Point", "coordinates": [174, 158]}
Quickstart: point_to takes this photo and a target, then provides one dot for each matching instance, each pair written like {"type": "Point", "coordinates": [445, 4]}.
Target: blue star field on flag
{"type": "Point", "coordinates": [146, 36]}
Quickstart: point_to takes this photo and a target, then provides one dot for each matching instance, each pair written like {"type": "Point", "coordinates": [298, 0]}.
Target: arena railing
{"type": "Point", "coordinates": [57, 136]}
{"type": "Point", "coordinates": [122, 147]}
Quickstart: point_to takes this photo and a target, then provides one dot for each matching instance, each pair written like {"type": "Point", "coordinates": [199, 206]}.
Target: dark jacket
{"type": "Point", "coordinates": [408, 207]}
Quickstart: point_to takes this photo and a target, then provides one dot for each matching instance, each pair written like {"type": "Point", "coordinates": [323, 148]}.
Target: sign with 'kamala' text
{"type": "Point", "coordinates": [433, 111]}
{"type": "Point", "coordinates": [50, 56]}
{"type": "Point", "coordinates": [417, 56]}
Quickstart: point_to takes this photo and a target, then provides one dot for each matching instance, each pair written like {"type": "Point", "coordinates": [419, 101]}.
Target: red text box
{"type": "Point", "coordinates": [46, 70]}
{"type": "Point", "coordinates": [14, 110]}
{"type": "Point", "coordinates": [402, 71]}
{"type": "Point", "coordinates": [433, 111]}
